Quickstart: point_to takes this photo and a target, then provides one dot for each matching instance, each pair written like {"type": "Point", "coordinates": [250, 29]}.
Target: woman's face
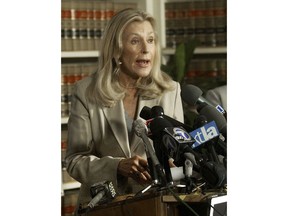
{"type": "Point", "coordinates": [138, 49]}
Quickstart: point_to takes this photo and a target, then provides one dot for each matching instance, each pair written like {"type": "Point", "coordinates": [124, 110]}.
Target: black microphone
{"type": "Point", "coordinates": [213, 115]}
{"type": "Point", "coordinates": [156, 111]}
{"type": "Point", "coordinates": [192, 95]}
{"type": "Point", "coordinates": [101, 192]}
{"type": "Point", "coordinates": [207, 135]}
{"type": "Point", "coordinates": [156, 126]}
{"type": "Point", "coordinates": [201, 122]}
{"type": "Point", "coordinates": [140, 130]}
{"type": "Point", "coordinates": [210, 113]}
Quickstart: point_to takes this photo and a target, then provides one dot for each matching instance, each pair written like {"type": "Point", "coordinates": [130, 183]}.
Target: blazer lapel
{"type": "Point", "coordinates": [116, 119]}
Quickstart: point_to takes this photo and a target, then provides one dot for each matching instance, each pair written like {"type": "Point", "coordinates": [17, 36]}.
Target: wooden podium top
{"type": "Point", "coordinates": [154, 204]}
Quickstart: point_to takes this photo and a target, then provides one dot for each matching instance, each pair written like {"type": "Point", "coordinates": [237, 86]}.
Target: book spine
{"type": "Point", "coordinates": [64, 91]}
{"type": "Point", "coordinates": [170, 21]}
{"type": "Point", "coordinates": [210, 29]}
{"type": "Point", "coordinates": [75, 5]}
{"type": "Point", "coordinates": [82, 17]}
{"type": "Point", "coordinates": [220, 16]}
{"type": "Point", "coordinates": [66, 31]}
{"type": "Point", "coordinates": [97, 25]}
{"type": "Point", "coordinates": [180, 15]}
{"type": "Point", "coordinates": [191, 31]}
{"type": "Point", "coordinates": [199, 12]}
{"type": "Point", "coordinates": [90, 26]}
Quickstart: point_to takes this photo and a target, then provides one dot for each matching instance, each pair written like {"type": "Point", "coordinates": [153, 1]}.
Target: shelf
{"type": "Point", "coordinates": [165, 51]}
{"type": "Point", "coordinates": [80, 54]}
{"type": "Point", "coordinates": [71, 185]}
{"type": "Point", "coordinates": [64, 120]}
{"type": "Point", "coordinates": [198, 50]}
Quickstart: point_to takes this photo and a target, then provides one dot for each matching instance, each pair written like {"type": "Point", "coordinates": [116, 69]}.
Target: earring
{"type": "Point", "coordinates": [119, 62]}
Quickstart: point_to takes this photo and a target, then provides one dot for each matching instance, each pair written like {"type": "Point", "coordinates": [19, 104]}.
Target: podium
{"type": "Point", "coordinates": [161, 205]}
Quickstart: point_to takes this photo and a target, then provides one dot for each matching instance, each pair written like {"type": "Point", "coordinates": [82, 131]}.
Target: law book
{"type": "Point", "coordinates": [82, 17]}
{"type": "Point", "coordinates": [98, 14]}
{"type": "Point", "coordinates": [90, 25]}
{"type": "Point", "coordinates": [220, 16]}
{"type": "Point", "coordinates": [64, 91]}
{"type": "Point", "coordinates": [210, 29]}
{"type": "Point", "coordinates": [200, 24]}
{"type": "Point", "coordinates": [170, 23]}
{"type": "Point", "coordinates": [66, 27]}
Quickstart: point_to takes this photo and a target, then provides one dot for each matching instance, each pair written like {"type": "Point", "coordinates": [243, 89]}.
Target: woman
{"type": "Point", "coordinates": [101, 142]}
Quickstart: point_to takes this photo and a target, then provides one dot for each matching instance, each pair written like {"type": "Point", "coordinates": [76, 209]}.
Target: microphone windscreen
{"type": "Point", "coordinates": [145, 113]}
{"type": "Point", "coordinates": [158, 125]}
{"type": "Point", "coordinates": [212, 114]}
{"type": "Point", "coordinates": [200, 121]}
{"type": "Point", "coordinates": [139, 127]}
{"type": "Point", "coordinates": [157, 111]}
{"type": "Point", "coordinates": [190, 94]}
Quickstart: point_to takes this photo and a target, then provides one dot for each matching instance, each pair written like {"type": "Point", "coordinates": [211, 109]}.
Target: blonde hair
{"type": "Point", "coordinates": [104, 88]}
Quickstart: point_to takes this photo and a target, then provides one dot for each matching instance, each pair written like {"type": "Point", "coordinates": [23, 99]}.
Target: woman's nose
{"type": "Point", "coordinates": [144, 48]}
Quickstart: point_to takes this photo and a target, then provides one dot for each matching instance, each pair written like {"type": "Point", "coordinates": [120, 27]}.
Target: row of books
{"type": "Point", "coordinates": [70, 73]}
{"type": "Point", "coordinates": [69, 202]}
{"type": "Point", "coordinates": [207, 73]}
{"type": "Point", "coordinates": [207, 67]}
{"type": "Point", "coordinates": [83, 22]}
{"type": "Point", "coordinates": [203, 20]}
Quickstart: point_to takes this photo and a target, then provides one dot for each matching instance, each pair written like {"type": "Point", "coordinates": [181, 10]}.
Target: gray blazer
{"type": "Point", "coordinates": [98, 139]}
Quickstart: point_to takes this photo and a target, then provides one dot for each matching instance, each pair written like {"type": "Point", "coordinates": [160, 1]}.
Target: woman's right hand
{"type": "Point", "coordinates": [135, 167]}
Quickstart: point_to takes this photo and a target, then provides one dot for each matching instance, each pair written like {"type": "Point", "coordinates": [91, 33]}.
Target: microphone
{"type": "Point", "coordinates": [101, 192]}
{"type": "Point", "coordinates": [206, 134]}
{"type": "Point", "coordinates": [192, 95]}
{"type": "Point", "coordinates": [156, 111]}
{"type": "Point", "coordinates": [220, 146]}
{"type": "Point", "coordinates": [157, 125]}
{"type": "Point", "coordinates": [140, 130]}
{"type": "Point", "coordinates": [213, 115]}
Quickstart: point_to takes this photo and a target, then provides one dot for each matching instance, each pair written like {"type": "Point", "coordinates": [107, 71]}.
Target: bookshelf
{"type": "Point", "coordinates": [80, 59]}
{"type": "Point", "coordinates": [79, 54]}
{"type": "Point", "coordinates": [199, 50]}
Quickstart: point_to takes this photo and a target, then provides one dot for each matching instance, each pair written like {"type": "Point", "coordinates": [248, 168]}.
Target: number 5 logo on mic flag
{"type": "Point", "coordinates": [204, 133]}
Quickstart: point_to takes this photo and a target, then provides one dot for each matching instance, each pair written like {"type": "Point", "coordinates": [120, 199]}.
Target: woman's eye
{"type": "Point", "coordinates": [151, 40]}
{"type": "Point", "coordinates": [135, 41]}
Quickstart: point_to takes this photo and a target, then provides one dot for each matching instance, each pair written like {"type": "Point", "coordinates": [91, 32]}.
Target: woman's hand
{"type": "Point", "coordinates": [136, 168]}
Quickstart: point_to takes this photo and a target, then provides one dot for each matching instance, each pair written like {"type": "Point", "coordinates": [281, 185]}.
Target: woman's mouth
{"type": "Point", "coordinates": [143, 63]}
